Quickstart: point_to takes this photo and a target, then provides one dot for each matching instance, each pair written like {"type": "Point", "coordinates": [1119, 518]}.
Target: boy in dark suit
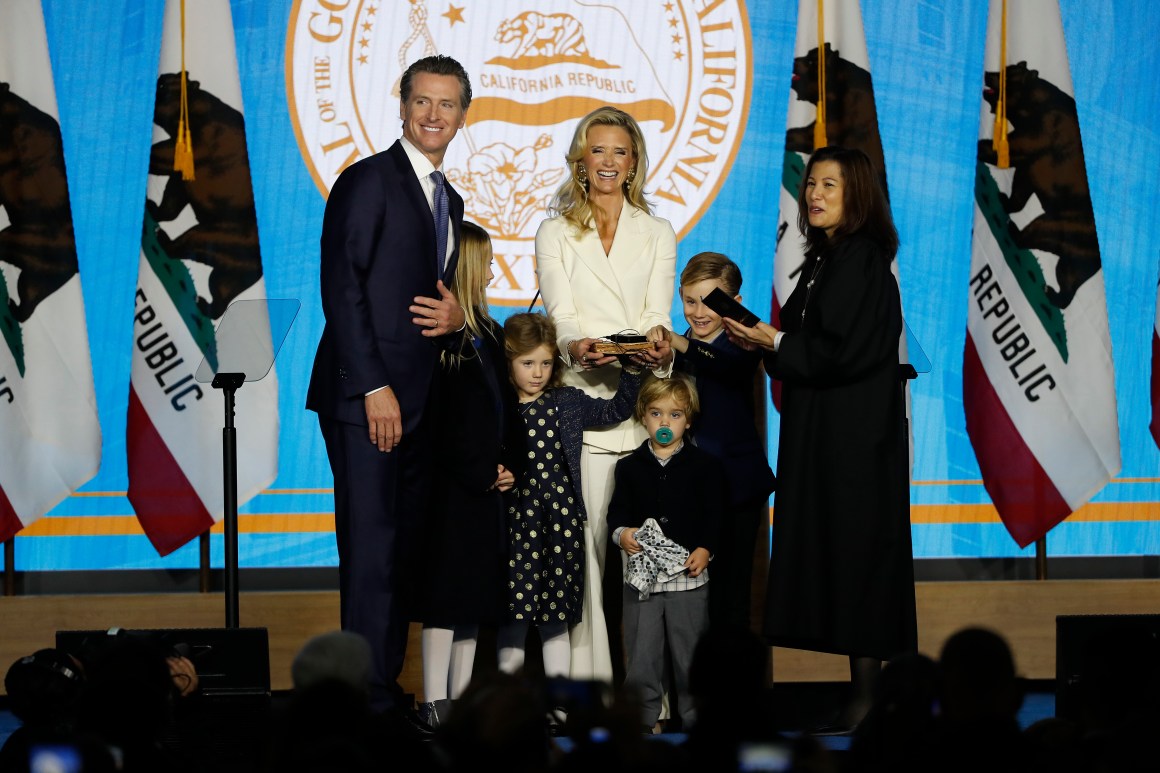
{"type": "Point", "coordinates": [665, 511]}
{"type": "Point", "coordinates": [727, 428]}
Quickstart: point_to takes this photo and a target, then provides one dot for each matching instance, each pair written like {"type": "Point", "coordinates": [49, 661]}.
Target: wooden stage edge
{"type": "Point", "coordinates": [1023, 612]}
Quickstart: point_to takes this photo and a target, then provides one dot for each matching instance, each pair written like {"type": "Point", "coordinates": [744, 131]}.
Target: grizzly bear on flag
{"type": "Point", "coordinates": [221, 197]}
{"type": "Point", "coordinates": [34, 195]}
{"type": "Point", "coordinates": [851, 117]}
{"type": "Point", "coordinates": [1047, 156]}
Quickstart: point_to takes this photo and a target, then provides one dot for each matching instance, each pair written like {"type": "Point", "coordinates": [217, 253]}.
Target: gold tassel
{"type": "Point", "coordinates": [820, 122]}
{"type": "Point", "coordinates": [999, 134]}
{"type": "Point", "coordinates": [183, 147]}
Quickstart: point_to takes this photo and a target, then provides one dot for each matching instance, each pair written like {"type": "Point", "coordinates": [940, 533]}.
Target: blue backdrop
{"type": "Point", "coordinates": [926, 59]}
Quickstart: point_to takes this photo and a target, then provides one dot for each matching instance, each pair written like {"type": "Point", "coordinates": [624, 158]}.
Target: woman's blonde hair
{"type": "Point", "coordinates": [571, 198]}
{"type": "Point", "coordinates": [470, 288]}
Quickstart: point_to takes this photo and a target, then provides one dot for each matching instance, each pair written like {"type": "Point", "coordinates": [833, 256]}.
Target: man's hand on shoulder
{"type": "Point", "coordinates": [438, 316]}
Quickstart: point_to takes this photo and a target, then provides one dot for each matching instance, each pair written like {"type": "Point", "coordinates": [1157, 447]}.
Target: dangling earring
{"type": "Point", "coordinates": [630, 176]}
{"type": "Point", "coordinates": [582, 175]}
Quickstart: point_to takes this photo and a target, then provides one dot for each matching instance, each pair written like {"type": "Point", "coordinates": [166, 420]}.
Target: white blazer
{"type": "Point", "coordinates": [589, 294]}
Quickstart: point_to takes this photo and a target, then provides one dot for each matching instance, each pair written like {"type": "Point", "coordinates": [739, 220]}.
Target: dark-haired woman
{"type": "Point", "coordinates": [841, 576]}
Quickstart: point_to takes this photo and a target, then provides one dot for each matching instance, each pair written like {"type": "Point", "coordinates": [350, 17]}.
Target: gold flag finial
{"type": "Point", "coordinates": [183, 147]}
{"type": "Point", "coordinates": [820, 122]}
{"type": "Point", "coordinates": [999, 134]}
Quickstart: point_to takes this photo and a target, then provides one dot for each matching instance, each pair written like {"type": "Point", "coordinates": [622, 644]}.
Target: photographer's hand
{"type": "Point", "coordinates": [183, 673]}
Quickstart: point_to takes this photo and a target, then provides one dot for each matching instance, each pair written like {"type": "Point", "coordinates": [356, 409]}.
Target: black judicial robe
{"type": "Point", "coordinates": [841, 575]}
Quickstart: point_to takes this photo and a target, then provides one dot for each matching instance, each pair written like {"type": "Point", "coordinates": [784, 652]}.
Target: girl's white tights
{"type": "Point", "coordinates": [557, 650]}
{"type": "Point", "coordinates": [448, 657]}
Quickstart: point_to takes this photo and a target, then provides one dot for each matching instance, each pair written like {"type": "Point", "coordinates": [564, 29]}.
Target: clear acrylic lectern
{"type": "Point", "coordinates": [246, 341]}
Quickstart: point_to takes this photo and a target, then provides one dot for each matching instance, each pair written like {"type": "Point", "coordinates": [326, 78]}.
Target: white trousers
{"type": "Point", "coordinates": [591, 658]}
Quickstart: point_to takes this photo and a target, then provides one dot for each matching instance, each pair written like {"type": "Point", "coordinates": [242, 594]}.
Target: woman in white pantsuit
{"type": "Point", "coordinates": [605, 265]}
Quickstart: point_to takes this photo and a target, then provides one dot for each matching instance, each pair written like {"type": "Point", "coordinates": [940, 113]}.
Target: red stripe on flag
{"type": "Point", "coordinates": [170, 511]}
{"type": "Point", "coordinates": [1155, 425]}
{"type": "Point", "coordinates": [1024, 495]}
{"type": "Point", "coordinates": [9, 523]}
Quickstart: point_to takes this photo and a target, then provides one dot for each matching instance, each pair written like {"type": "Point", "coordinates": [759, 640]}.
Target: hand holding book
{"type": "Point", "coordinates": [727, 307]}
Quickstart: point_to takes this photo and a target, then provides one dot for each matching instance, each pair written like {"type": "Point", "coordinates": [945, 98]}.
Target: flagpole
{"type": "Point", "coordinates": [1041, 558]}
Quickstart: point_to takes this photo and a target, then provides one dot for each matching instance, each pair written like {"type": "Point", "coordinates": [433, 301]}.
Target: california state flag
{"type": "Point", "coordinates": [50, 437]}
{"type": "Point", "coordinates": [199, 254]}
{"type": "Point", "coordinates": [831, 103]}
{"type": "Point", "coordinates": [1038, 387]}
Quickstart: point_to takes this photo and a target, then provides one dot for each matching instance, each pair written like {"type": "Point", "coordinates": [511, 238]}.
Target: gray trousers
{"type": "Point", "coordinates": [677, 619]}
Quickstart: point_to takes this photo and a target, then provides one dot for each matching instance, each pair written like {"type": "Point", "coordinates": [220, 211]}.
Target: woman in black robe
{"type": "Point", "coordinates": [841, 577]}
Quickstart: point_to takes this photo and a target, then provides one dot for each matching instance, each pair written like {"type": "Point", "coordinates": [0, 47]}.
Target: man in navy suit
{"type": "Point", "coordinates": [387, 309]}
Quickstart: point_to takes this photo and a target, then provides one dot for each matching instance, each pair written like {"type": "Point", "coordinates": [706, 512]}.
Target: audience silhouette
{"type": "Point", "coordinates": [43, 690]}
{"type": "Point", "coordinates": [139, 699]}
{"type": "Point", "coordinates": [327, 723]}
{"type": "Point", "coordinates": [130, 703]}
{"type": "Point", "coordinates": [499, 722]}
{"type": "Point", "coordinates": [898, 732]}
{"type": "Point", "coordinates": [728, 679]}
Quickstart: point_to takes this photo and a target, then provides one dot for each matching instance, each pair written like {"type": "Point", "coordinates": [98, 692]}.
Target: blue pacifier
{"type": "Point", "coordinates": [664, 436]}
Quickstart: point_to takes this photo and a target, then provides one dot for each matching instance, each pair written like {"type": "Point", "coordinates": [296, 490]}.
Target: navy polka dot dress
{"type": "Point", "coordinates": [546, 567]}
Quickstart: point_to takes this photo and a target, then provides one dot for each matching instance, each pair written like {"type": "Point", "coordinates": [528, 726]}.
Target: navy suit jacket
{"type": "Point", "coordinates": [686, 496]}
{"type": "Point", "coordinates": [726, 427]}
{"type": "Point", "coordinates": [378, 253]}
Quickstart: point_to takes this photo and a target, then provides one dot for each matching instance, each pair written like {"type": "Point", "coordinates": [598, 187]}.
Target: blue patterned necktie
{"type": "Point", "coordinates": [440, 213]}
